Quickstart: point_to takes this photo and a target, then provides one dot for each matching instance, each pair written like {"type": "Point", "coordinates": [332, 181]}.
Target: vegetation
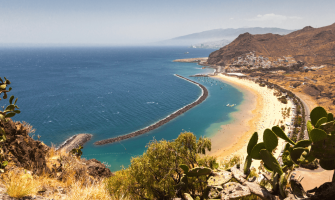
{"type": "Point", "coordinates": [77, 152]}
{"type": "Point", "coordinates": [277, 181]}
{"type": "Point", "coordinates": [320, 146]}
{"type": "Point", "coordinates": [283, 99]}
{"type": "Point", "coordinates": [286, 113]}
{"type": "Point", "coordinates": [10, 111]}
{"type": "Point", "coordinates": [157, 173]}
{"type": "Point", "coordinates": [282, 127]}
{"type": "Point", "coordinates": [19, 184]}
{"type": "Point", "coordinates": [230, 162]}
{"type": "Point", "coordinates": [297, 121]}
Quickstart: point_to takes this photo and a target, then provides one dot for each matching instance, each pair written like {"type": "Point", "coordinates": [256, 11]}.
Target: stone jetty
{"type": "Point", "coordinates": [203, 96]}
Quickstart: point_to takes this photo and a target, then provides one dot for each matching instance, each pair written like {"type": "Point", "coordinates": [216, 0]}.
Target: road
{"type": "Point", "coordinates": [307, 111]}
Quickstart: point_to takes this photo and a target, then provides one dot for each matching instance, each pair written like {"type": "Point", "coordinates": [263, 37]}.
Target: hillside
{"type": "Point", "coordinates": [219, 34]}
{"type": "Point", "coordinates": [313, 46]}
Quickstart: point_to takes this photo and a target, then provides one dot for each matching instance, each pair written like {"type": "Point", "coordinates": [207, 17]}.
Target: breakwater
{"type": "Point", "coordinates": [74, 142]}
{"type": "Point", "coordinates": [182, 110]}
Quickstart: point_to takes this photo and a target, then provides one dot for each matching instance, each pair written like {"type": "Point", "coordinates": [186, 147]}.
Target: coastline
{"type": "Point", "coordinates": [253, 115]}
{"type": "Point", "coordinates": [203, 96]}
{"type": "Point", "coordinates": [242, 124]}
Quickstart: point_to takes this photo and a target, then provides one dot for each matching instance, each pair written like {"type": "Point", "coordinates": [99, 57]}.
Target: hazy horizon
{"type": "Point", "coordinates": [133, 23]}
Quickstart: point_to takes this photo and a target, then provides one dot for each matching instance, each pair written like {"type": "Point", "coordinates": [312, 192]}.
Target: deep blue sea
{"type": "Point", "coordinates": [111, 91]}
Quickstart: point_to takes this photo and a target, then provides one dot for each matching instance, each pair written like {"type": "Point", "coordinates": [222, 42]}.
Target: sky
{"type": "Point", "coordinates": [136, 22]}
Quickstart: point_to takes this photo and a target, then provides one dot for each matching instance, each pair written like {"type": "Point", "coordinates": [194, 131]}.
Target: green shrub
{"type": "Point", "coordinates": [227, 164]}
{"type": "Point", "coordinates": [156, 174]}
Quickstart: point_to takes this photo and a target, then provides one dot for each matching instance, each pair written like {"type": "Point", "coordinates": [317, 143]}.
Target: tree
{"type": "Point", "coordinates": [156, 174]}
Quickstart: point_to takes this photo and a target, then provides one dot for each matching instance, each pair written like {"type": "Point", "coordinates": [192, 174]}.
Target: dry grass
{"type": "Point", "coordinates": [52, 153]}
{"type": "Point", "coordinates": [69, 175]}
{"type": "Point", "coordinates": [73, 178]}
{"type": "Point", "coordinates": [19, 184]}
{"type": "Point", "coordinates": [28, 127]}
{"type": "Point", "coordinates": [95, 191]}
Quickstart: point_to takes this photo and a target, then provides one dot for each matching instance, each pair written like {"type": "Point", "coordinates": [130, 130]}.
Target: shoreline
{"type": "Point", "coordinates": [242, 124]}
{"type": "Point", "coordinates": [163, 121]}
{"type": "Point", "coordinates": [256, 116]}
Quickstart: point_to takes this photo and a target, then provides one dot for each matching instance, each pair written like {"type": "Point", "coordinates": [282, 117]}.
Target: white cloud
{"type": "Point", "coordinates": [273, 18]}
{"type": "Point", "coordinates": [231, 18]}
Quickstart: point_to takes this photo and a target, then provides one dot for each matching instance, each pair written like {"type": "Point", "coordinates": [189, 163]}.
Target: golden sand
{"type": "Point", "coordinates": [260, 110]}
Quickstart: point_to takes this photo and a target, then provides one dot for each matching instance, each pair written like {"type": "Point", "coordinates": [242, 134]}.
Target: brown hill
{"type": "Point", "coordinates": [310, 45]}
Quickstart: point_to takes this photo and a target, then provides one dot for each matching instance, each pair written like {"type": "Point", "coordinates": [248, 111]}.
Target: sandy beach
{"type": "Point", "coordinates": [259, 110]}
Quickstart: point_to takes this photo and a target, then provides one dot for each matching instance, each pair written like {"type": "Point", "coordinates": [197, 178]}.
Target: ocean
{"type": "Point", "coordinates": [111, 91]}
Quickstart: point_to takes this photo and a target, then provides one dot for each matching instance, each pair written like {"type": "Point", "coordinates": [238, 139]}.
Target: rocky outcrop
{"type": "Point", "coordinates": [97, 169]}
{"type": "Point", "coordinates": [21, 149]}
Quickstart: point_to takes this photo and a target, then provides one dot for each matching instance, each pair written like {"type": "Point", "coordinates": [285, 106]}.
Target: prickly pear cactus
{"type": "Point", "coordinates": [197, 171]}
{"type": "Point", "coordinates": [322, 134]}
{"type": "Point", "coordinates": [252, 143]}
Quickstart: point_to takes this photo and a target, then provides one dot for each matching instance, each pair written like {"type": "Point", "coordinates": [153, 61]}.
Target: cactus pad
{"type": "Point", "coordinates": [280, 133]}
{"type": "Point", "coordinates": [303, 143]}
{"type": "Point", "coordinates": [328, 127]}
{"type": "Point", "coordinates": [270, 140]}
{"type": "Point", "coordinates": [330, 117]}
{"type": "Point", "coordinates": [317, 113]}
{"type": "Point", "coordinates": [321, 121]}
{"type": "Point", "coordinates": [318, 135]}
{"type": "Point", "coordinates": [267, 168]}
{"type": "Point", "coordinates": [247, 164]}
{"type": "Point", "coordinates": [184, 167]}
{"type": "Point", "coordinates": [282, 185]}
{"type": "Point", "coordinates": [255, 151]}
{"type": "Point", "coordinates": [252, 142]}
{"type": "Point", "coordinates": [324, 149]}
{"type": "Point", "coordinates": [309, 128]}
{"type": "Point", "coordinates": [199, 171]}
{"type": "Point", "coordinates": [271, 161]}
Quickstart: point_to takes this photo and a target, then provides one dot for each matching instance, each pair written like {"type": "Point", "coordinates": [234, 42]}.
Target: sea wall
{"type": "Point", "coordinates": [202, 97]}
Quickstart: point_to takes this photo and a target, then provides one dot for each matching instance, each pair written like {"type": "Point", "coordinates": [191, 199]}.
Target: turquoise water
{"type": "Point", "coordinates": [113, 91]}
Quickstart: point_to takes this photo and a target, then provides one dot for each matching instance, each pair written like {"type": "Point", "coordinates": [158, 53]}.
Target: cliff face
{"type": "Point", "coordinates": [310, 45]}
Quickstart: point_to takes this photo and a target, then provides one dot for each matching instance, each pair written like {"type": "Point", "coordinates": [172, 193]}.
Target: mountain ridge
{"type": "Point", "coordinates": [310, 45]}
{"type": "Point", "coordinates": [218, 34]}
